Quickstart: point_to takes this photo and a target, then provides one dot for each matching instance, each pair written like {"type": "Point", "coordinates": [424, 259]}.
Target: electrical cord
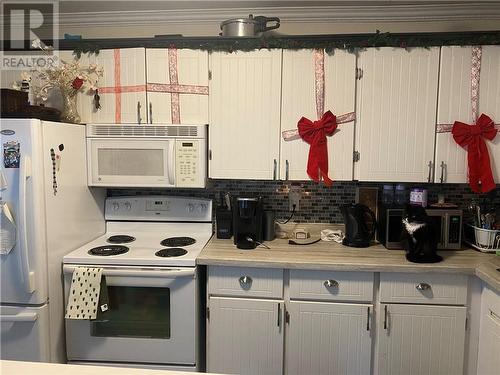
{"type": "Point", "coordinates": [290, 218]}
{"type": "Point", "coordinates": [251, 240]}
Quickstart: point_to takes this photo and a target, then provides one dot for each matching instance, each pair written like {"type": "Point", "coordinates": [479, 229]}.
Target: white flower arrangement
{"type": "Point", "coordinates": [67, 76]}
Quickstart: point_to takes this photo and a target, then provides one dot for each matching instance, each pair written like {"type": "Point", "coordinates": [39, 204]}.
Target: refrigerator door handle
{"type": "Point", "coordinates": [171, 162]}
{"type": "Point", "coordinates": [27, 274]}
{"type": "Point", "coordinates": [21, 317]}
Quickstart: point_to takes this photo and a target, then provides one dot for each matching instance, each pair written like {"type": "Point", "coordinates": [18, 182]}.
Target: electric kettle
{"type": "Point", "coordinates": [360, 225]}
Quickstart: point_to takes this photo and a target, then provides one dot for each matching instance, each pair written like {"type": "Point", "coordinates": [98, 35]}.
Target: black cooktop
{"type": "Point", "coordinates": [178, 241]}
{"type": "Point", "coordinates": [171, 252]}
{"type": "Point", "coordinates": [108, 250]}
{"type": "Point", "coordinates": [120, 238]}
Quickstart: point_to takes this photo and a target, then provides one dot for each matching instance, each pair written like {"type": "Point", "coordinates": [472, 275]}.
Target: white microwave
{"type": "Point", "coordinates": [147, 155]}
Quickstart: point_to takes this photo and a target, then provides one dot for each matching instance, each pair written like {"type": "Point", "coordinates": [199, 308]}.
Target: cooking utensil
{"type": "Point", "coordinates": [251, 26]}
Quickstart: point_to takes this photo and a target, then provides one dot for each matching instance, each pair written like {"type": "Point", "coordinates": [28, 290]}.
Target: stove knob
{"type": "Point", "coordinates": [128, 206]}
{"type": "Point", "coordinates": [199, 208]}
{"type": "Point", "coordinates": [190, 207]}
{"type": "Point", "coordinates": [116, 206]}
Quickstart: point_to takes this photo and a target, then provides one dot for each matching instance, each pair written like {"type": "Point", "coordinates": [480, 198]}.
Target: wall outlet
{"type": "Point", "coordinates": [294, 196]}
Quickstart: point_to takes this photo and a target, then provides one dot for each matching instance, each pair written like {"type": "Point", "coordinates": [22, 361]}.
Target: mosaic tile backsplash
{"type": "Point", "coordinates": [319, 204]}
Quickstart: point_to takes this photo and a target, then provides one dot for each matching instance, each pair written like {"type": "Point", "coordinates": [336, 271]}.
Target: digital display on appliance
{"type": "Point", "coordinates": [157, 205]}
{"type": "Point", "coordinates": [187, 144]}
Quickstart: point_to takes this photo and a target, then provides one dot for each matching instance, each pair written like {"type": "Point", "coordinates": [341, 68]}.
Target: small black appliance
{"type": "Point", "coordinates": [247, 221]}
{"type": "Point", "coordinates": [360, 225]}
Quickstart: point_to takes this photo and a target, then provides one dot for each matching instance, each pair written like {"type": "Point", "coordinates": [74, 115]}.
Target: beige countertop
{"type": "Point", "coordinates": [333, 256]}
{"type": "Point", "coordinates": [39, 368]}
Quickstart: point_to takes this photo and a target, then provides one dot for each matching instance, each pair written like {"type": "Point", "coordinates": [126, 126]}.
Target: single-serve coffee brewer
{"type": "Point", "coordinates": [247, 222]}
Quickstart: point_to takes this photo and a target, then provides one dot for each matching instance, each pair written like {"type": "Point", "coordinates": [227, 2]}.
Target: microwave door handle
{"type": "Point", "coordinates": [27, 275]}
{"type": "Point", "coordinates": [444, 231]}
{"type": "Point", "coordinates": [171, 162]}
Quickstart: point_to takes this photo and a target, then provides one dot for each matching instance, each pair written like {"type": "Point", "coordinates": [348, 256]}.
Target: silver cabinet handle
{"type": "Point", "coordinates": [150, 112]}
{"type": "Point", "coordinates": [422, 286]}
{"type": "Point", "coordinates": [443, 165]}
{"type": "Point", "coordinates": [287, 169]}
{"type": "Point", "coordinates": [139, 113]}
{"type": "Point", "coordinates": [385, 317]}
{"type": "Point", "coordinates": [368, 318]}
{"type": "Point", "coordinates": [275, 169]}
{"type": "Point", "coordinates": [245, 280]}
{"type": "Point", "coordinates": [430, 171]}
{"type": "Point", "coordinates": [331, 283]}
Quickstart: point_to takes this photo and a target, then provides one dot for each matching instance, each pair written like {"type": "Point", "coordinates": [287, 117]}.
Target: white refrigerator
{"type": "Point", "coordinates": [47, 211]}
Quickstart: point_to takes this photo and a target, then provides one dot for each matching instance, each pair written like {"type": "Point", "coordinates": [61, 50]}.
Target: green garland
{"type": "Point", "coordinates": [330, 43]}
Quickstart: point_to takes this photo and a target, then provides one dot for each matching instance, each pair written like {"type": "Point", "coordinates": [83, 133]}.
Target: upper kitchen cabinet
{"type": "Point", "coordinates": [244, 104]}
{"type": "Point", "coordinates": [396, 114]}
{"type": "Point", "coordinates": [455, 104]}
{"type": "Point", "coordinates": [122, 88]}
{"type": "Point", "coordinates": [298, 99]}
{"type": "Point", "coordinates": [177, 86]}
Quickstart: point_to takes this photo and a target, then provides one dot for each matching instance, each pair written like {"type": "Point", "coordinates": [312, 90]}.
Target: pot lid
{"type": "Point", "coordinates": [249, 20]}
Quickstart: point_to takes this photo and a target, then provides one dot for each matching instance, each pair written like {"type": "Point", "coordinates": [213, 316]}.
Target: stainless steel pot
{"type": "Point", "coordinates": [251, 26]}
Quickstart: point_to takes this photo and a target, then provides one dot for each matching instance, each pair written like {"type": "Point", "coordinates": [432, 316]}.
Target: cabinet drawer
{"type": "Point", "coordinates": [331, 285]}
{"type": "Point", "coordinates": [245, 282]}
{"type": "Point", "coordinates": [439, 289]}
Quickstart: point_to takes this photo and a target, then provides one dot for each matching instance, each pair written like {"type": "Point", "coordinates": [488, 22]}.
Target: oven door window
{"type": "Point", "coordinates": [135, 312]}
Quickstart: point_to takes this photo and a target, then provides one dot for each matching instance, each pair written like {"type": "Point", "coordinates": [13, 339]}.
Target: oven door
{"type": "Point", "coordinates": [127, 162]}
{"type": "Point", "coordinates": [151, 318]}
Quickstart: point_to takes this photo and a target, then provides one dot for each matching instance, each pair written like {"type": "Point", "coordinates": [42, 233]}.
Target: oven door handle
{"type": "Point", "coordinates": [167, 274]}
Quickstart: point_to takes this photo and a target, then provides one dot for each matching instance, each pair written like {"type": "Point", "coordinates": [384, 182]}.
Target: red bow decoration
{"type": "Point", "coordinates": [315, 134]}
{"type": "Point", "coordinates": [472, 139]}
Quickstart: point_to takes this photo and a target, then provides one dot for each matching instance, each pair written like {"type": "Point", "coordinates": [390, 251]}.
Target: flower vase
{"type": "Point", "coordinates": [70, 111]}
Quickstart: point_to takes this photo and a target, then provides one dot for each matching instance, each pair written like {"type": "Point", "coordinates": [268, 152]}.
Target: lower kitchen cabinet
{"type": "Point", "coordinates": [245, 336]}
{"type": "Point", "coordinates": [489, 334]}
{"type": "Point", "coordinates": [328, 338]}
{"type": "Point", "coordinates": [421, 339]}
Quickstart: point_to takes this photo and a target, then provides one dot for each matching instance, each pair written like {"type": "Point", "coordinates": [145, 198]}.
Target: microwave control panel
{"type": "Point", "coordinates": [189, 164]}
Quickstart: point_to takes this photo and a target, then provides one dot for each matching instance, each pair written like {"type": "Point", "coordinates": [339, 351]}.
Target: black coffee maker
{"type": "Point", "coordinates": [360, 225]}
{"type": "Point", "coordinates": [247, 222]}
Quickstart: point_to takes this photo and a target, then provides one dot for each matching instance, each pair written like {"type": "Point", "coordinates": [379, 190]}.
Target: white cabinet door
{"type": "Point", "coordinates": [396, 114]}
{"type": "Point", "coordinates": [245, 336]}
{"type": "Point", "coordinates": [177, 85]}
{"type": "Point", "coordinates": [298, 99]}
{"type": "Point", "coordinates": [421, 339]}
{"type": "Point", "coordinates": [245, 94]}
{"type": "Point", "coordinates": [489, 336]}
{"type": "Point", "coordinates": [454, 104]}
{"type": "Point", "coordinates": [328, 338]}
{"type": "Point", "coordinates": [122, 88]}
{"type": "Point", "coordinates": [489, 100]}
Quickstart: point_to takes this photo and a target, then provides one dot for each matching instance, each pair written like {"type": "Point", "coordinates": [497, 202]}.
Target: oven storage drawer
{"type": "Point", "coordinates": [436, 289]}
{"type": "Point", "coordinates": [245, 282]}
{"type": "Point", "coordinates": [331, 285]}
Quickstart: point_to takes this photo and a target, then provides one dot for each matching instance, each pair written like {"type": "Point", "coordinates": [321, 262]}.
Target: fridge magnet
{"type": "Point", "coordinates": [54, 176]}
{"type": "Point", "coordinates": [11, 154]}
{"type": "Point", "coordinates": [7, 230]}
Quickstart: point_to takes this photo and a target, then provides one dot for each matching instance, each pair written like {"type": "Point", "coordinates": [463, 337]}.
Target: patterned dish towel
{"type": "Point", "coordinates": [88, 295]}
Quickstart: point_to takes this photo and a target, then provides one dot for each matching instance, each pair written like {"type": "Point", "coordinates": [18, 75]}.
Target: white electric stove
{"type": "Point", "coordinates": [149, 231]}
{"type": "Point", "coordinates": [148, 257]}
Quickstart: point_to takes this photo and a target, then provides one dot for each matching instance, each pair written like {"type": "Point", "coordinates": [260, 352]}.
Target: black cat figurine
{"type": "Point", "coordinates": [419, 237]}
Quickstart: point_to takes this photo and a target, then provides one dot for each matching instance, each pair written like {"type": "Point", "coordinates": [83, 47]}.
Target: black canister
{"type": "Point", "coordinates": [268, 225]}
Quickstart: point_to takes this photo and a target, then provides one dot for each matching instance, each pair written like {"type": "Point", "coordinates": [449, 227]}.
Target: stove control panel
{"type": "Point", "coordinates": [158, 208]}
